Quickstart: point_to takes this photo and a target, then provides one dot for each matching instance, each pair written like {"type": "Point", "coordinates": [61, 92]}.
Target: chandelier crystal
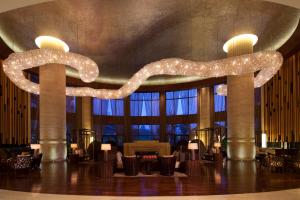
{"type": "Point", "coordinates": [267, 62]}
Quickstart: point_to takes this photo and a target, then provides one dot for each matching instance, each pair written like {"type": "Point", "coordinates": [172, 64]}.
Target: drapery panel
{"type": "Point", "coordinates": [182, 102]}
{"type": "Point", "coordinates": [219, 101]}
{"type": "Point", "coordinates": [108, 107]}
{"type": "Point", "coordinates": [144, 104]}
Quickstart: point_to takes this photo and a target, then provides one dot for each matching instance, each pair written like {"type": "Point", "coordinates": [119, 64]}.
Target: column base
{"type": "Point", "coordinates": [53, 151]}
{"type": "Point", "coordinates": [241, 150]}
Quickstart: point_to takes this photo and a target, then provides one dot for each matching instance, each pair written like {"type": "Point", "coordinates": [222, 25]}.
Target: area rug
{"type": "Point", "coordinates": [155, 174]}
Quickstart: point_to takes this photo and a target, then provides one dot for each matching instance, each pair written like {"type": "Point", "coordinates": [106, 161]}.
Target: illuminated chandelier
{"type": "Point", "coordinates": [267, 62]}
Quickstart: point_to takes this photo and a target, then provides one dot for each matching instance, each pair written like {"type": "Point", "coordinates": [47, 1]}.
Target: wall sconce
{"type": "Point", "coordinates": [105, 148]}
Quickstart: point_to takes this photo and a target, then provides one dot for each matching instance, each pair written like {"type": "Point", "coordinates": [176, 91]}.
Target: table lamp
{"type": "Point", "coordinates": [36, 148]}
{"type": "Point", "coordinates": [105, 148]}
{"type": "Point", "coordinates": [74, 146]}
{"type": "Point", "coordinates": [217, 145]}
{"type": "Point", "coordinates": [193, 147]}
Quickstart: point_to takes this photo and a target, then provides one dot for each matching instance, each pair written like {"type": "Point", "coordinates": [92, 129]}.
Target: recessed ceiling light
{"type": "Point", "coordinates": [44, 39]}
{"type": "Point", "coordinates": [252, 37]}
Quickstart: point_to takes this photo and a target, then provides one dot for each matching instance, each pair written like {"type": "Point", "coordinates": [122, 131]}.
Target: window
{"type": "Point", "coordinates": [108, 107]}
{"type": "Point", "coordinates": [220, 101]}
{"type": "Point", "coordinates": [179, 132]}
{"type": "Point", "coordinates": [182, 102]}
{"type": "Point", "coordinates": [144, 104]}
{"type": "Point", "coordinates": [34, 131]}
{"type": "Point", "coordinates": [145, 132]}
{"type": "Point", "coordinates": [34, 100]}
{"type": "Point", "coordinates": [71, 104]}
{"type": "Point", "coordinates": [109, 133]}
{"type": "Point", "coordinates": [220, 123]}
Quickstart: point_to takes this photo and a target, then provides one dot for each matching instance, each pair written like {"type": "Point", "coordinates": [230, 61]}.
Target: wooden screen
{"type": "Point", "coordinates": [14, 126]}
{"type": "Point", "coordinates": [281, 102]}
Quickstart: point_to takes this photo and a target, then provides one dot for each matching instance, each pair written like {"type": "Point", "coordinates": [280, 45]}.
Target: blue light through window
{"type": "Point", "coordinates": [108, 107]}
{"type": "Point", "coordinates": [220, 101]}
{"type": "Point", "coordinates": [71, 104]}
{"type": "Point", "coordinates": [182, 102]}
{"type": "Point", "coordinates": [179, 132]}
{"type": "Point", "coordinates": [145, 132]}
{"type": "Point", "coordinates": [144, 104]}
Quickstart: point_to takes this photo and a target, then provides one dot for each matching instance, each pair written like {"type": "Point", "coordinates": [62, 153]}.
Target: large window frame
{"type": "Point", "coordinates": [145, 104]}
{"type": "Point", "coordinates": [108, 107]}
{"type": "Point", "coordinates": [177, 97]}
{"type": "Point", "coordinates": [137, 134]}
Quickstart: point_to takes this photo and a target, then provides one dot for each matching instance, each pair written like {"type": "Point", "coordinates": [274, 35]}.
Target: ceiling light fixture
{"type": "Point", "coordinates": [253, 38]}
{"type": "Point", "coordinates": [50, 40]}
{"type": "Point", "coordinates": [267, 62]}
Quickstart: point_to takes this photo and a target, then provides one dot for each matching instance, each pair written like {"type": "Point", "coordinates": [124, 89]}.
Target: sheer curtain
{"type": "Point", "coordinates": [144, 104]}
{"type": "Point", "coordinates": [96, 106]}
{"type": "Point", "coordinates": [119, 107]}
{"type": "Point", "coordinates": [104, 106]}
{"type": "Point", "coordinates": [176, 100]}
{"type": "Point", "coordinates": [220, 101]}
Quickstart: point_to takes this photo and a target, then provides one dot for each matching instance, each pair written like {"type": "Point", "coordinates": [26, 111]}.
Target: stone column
{"type": "Point", "coordinates": [86, 113]}
{"type": "Point", "coordinates": [240, 108]}
{"type": "Point", "coordinates": [53, 110]}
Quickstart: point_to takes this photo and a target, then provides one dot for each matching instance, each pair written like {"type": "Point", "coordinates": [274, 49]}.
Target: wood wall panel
{"type": "Point", "coordinates": [14, 127]}
{"type": "Point", "coordinates": [281, 104]}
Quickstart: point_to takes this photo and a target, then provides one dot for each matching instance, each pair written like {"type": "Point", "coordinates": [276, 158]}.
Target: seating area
{"type": "Point", "coordinates": [12, 162]}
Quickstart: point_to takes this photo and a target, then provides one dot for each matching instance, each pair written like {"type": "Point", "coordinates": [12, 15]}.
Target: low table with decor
{"type": "Point", "coordinates": [148, 163]}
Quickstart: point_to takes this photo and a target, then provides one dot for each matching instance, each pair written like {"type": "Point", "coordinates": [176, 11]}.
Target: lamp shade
{"type": "Point", "coordinates": [105, 147]}
{"type": "Point", "coordinates": [217, 144]}
{"type": "Point", "coordinates": [264, 140]}
{"type": "Point", "coordinates": [74, 146]}
{"type": "Point", "coordinates": [35, 146]}
{"type": "Point", "coordinates": [192, 146]}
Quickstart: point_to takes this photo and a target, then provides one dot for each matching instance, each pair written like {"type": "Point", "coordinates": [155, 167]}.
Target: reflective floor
{"type": "Point", "coordinates": [229, 178]}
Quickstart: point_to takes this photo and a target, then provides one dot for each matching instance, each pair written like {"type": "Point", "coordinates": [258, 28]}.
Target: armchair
{"type": "Point", "coordinates": [21, 162]}
{"type": "Point", "coordinates": [167, 165]}
{"type": "Point", "coordinates": [130, 165]}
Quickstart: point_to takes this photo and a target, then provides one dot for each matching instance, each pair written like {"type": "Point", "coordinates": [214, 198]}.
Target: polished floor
{"type": "Point", "coordinates": [229, 178]}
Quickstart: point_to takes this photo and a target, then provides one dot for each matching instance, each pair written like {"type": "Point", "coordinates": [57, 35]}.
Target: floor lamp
{"type": "Point", "coordinates": [193, 147]}
{"type": "Point", "coordinates": [36, 148]}
{"type": "Point", "coordinates": [105, 148]}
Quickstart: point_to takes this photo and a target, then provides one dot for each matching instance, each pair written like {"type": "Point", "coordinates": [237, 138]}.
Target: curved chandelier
{"type": "Point", "coordinates": [267, 62]}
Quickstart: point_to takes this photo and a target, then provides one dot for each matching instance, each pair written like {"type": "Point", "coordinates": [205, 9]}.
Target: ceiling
{"type": "Point", "coordinates": [124, 35]}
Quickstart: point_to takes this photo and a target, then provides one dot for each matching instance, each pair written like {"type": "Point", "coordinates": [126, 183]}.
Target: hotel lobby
{"type": "Point", "coordinates": [149, 99]}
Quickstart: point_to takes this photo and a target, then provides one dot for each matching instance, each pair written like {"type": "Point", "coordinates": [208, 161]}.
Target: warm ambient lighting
{"type": "Point", "coordinates": [222, 89]}
{"type": "Point", "coordinates": [264, 140]}
{"type": "Point", "coordinates": [74, 146]}
{"type": "Point", "coordinates": [192, 146]}
{"type": "Point", "coordinates": [52, 41]}
{"type": "Point", "coordinates": [231, 41]}
{"type": "Point", "coordinates": [35, 146]}
{"type": "Point", "coordinates": [267, 62]}
{"type": "Point", "coordinates": [105, 147]}
{"type": "Point", "coordinates": [217, 144]}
